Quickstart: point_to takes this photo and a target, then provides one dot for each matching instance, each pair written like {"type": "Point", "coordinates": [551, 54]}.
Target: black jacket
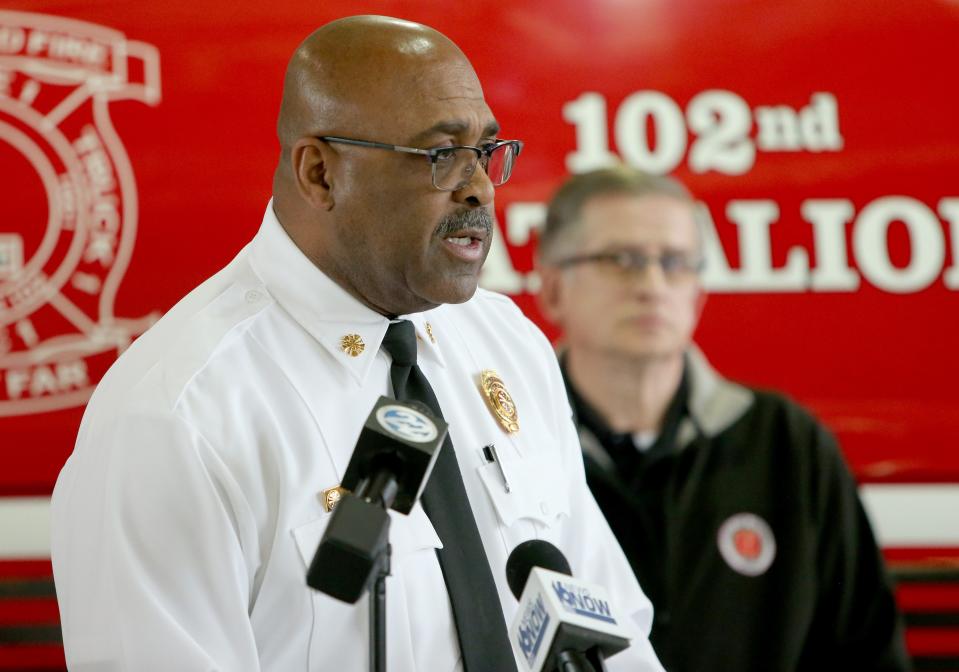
{"type": "Point", "coordinates": [744, 527]}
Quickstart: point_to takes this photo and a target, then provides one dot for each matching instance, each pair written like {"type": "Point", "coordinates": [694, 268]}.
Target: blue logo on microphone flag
{"type": "Point", "coordinates": [406, 423]}
{"type": "Point", "coordinates": [578, 600]}
{"type": "Point", "coordinates": [532, 629]}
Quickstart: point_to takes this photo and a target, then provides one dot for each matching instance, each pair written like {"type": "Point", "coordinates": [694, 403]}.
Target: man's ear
{"type": "Point", "coordinates": [311, 162]}
{"type": "Point", "coordinates": [550, 296]}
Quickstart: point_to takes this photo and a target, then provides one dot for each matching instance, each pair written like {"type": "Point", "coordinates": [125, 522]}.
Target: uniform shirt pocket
{"type": "Point", "coordinates": [338, 629]}
{"type": "Point", "coordinates": [408, 533]}
{"type": "Point", "coordinates": [537, 491]}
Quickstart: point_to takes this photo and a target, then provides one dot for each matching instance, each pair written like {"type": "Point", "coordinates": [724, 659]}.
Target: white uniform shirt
{"type": "Point", "coordinates": [187, 515]}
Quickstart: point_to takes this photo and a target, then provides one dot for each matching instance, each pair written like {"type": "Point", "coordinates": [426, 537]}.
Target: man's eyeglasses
{"type": "Point", "coordinates": [453, 167]}
{"type": "Point", "coordinates": [676, 266]}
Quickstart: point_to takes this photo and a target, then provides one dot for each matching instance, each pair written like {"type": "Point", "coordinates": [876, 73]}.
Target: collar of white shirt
{"type": "Point", "coordinates": [324, 309]}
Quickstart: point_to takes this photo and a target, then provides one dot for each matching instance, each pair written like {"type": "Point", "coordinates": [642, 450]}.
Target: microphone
{"type": "Point", "coordinates": [563, 624]}
{"type": "Point", "coordinates": [389, 468]}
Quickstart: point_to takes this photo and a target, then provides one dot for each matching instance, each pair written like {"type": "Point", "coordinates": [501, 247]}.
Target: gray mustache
{"type": "Point", "coordinates": [473, 219]}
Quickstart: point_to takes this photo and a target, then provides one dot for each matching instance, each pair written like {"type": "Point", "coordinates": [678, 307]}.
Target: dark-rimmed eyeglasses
{"type": "Point", "coordinates": [676, 266]}
{"type": "Point", "coordinates": [453, 167]}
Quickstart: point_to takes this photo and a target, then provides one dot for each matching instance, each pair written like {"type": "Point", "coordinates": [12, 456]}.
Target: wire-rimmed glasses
{"type": "Point", "coordinates": [676, 266]}
{"type": "Point", "coordinates": [453, 167]}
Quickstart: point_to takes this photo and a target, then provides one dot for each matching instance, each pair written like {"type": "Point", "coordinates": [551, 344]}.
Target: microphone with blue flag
{"type": "Point", "coordinates": [390, 466]}
{"type": "Point", "coordinates": [563, 624]}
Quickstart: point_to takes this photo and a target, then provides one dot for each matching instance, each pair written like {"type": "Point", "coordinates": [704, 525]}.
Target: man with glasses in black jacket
{"type": "Point", "coordinates": [734, 506]}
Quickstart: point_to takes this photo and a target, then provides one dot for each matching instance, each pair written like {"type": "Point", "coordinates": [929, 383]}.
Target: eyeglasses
{"type": "Point", "coordinates": [676, 266]}
{"type": "Point", "coordinates": [453, 167]}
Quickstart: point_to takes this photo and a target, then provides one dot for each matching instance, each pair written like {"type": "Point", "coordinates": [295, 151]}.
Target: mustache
{"type": "Point", "coordinates": [470, 219]}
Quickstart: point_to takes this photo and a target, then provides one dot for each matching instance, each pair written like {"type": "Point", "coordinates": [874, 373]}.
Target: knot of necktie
{"type": "Point", "coordinates": [400, 342]}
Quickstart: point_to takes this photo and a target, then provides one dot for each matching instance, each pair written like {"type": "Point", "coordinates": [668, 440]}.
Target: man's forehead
{"type": "Point", "coordinates": [449, 101]}
{"type": "Point", "coordinates": [650, 207]}
{"type": "Point", "coordinates": [485, 127]}
{"type": "Point", "coordinates": [638, 219]}
{"type": "Point", "coordinates": [424, 99]}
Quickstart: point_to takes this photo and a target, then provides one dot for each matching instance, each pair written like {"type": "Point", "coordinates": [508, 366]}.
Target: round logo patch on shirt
{"type": "Point", "coordinates": [747, 544]}
{"type": "Point", "coordinates": [406, 423]}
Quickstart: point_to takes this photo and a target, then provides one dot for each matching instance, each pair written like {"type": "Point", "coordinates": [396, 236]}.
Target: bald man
{"type": "Point", "coordinates": [186, 518]}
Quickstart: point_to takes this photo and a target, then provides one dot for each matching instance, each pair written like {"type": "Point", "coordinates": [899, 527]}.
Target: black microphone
{"type": "Point", "coordinates": [529, 554]}
{"type": "Point", "coordinates": [563, 624]}
{"type": "Point", "coordinates": [389, 468]}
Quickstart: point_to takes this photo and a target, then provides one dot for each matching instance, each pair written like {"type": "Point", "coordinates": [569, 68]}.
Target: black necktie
{"type": "Point", "coordinates": [476, 607]}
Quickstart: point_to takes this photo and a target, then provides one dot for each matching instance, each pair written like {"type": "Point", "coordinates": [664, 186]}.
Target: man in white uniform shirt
{"type": "Point", "coordinates": [193, 503]}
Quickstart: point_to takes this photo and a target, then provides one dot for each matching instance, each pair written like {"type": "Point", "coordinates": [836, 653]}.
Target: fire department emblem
{"type": "Point", "coordinates": [747, 544]}
{"type": "Point", "coordinates": [500, 402]}
{"type": "Point", "coordinates": [69, 205]}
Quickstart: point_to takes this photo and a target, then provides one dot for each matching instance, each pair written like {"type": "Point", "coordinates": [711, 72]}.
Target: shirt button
{"type": "Point", "coordinates": [253, 296]}
{"type": "Point", "coordinates": [544, 507]}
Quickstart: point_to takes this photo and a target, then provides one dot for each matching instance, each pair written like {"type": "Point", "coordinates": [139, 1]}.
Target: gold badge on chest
{"type": "Point", "coordinates": [499, 401]}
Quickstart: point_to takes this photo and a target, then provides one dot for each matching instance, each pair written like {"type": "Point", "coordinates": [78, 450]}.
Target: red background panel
{"type": "Point", "coordinates": [878, 367]}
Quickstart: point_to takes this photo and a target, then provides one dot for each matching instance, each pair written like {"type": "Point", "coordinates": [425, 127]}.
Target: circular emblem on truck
{"type": "Point", "coordinates": [70, 205]}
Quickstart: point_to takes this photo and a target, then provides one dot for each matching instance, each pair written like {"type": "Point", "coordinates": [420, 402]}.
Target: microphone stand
{"type": "Point", "coordinates": [378, 613]}
{"type": "Point", "coordinates": [380, 489]}
{"type": "Point", "coordinates": [596, 659]}
{"type": "Point", "coordinates": [574, 661]}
